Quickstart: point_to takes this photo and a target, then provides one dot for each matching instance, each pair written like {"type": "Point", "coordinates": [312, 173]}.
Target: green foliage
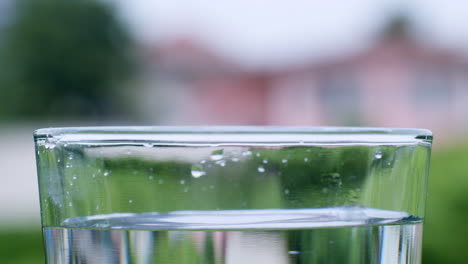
{"type": "Point", "coordinates": [62, 58]}
{"type": "Point", "coordinates": [445, 229]}
{"type": "Point", "coordinates": [21, 246]}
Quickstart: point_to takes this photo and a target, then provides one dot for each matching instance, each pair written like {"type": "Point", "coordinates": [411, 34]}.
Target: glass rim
{"type": "Point", "coordinates": [236, 134]}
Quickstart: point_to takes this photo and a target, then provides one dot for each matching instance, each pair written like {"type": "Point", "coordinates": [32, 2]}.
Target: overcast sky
{"type": "Point", "coordinates": [256, 31]}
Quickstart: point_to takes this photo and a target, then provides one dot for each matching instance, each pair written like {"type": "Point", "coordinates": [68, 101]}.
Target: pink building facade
{"type": "Point", "coordinates": [397, 82]}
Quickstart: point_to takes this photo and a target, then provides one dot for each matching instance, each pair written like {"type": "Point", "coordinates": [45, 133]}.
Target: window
{"type": "Point", "coordinates": [339, 96]}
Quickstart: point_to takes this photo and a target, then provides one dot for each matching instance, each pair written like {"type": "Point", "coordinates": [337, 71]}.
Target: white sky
{"type": "Point", "coordinates": [268, 31]}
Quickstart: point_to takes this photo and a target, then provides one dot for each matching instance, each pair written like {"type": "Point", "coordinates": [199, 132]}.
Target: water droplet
{"type": "Point", "coordinates": [246, 153]}
{"type": "Point", "coordinates": [70, 204]}
{"type": "Point", "coordinates": [378, 154]}
{"type": "Point", "coordinates": [197, 171]}
{"type": "Point", "coordinates": [284, 160]}
{"type": "Point", "coordinates": [235, 159]}
{"type": "Point", "coordinates": [161, 181]}
{"type": "Point", "coordinates": [74, 177]}
{"type": "Point", "coordinates": [217, 154]}
{"type": "Point", "coordinates": [151, 177]}
{"type": "Point", "coordinates": [221, 163]}
{"type": "Point", "coordinates": [106, 173]}
{"type": "Point", "coordinates": [130, 201]}
{"type": "Point", "coordinates": [265, 161]}
{"type": "Point", "coordinates": [258, 154]}
{"type": "Point", "coordinates": [306, 159]}
{"type": "Point", "coordinates": [294, 252]}
{"type": "Point", "coordinates": [286, 191]}
{"type": "Point", "coordinates": [182, 181]}
{"type": "Point", "coordinates": [261, 169]}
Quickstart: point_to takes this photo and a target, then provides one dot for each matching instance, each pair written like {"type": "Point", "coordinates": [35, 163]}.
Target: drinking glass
{"type": "Point", "coordinates": [181, 195]}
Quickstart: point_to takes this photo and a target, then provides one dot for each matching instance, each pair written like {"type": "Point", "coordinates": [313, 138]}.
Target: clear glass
{"type": "Point", "coordinates": [178, 195]}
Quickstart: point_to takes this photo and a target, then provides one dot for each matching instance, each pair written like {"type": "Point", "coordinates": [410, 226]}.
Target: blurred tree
{"type": "Point", "coordinates": [63, 58]}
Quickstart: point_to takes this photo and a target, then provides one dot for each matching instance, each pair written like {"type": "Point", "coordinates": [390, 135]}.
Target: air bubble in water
{"type": "Point", "coordinates": [68, 165]}
{"type": "Point", "coordinates": [221, 163]}
{"type": "Point", "coordinates": [217, 154]}
{"type": "Point", "coordinates": [106, 173]}
{"type": "Point", "coordinates": [74, 177]}
{"type": "Point", "coordinates": [286, 191]}
{"type": "Point", "coordinates": [70, 204]}
{"type": "Point", "coordinates": [151, 177]}
{"type": "Point", "coordinates": [246, 153]}
{"type": "Point", "coordinates": [197, 171]}
{"type": "Point", "coordinates": [49, 145]}
{"type": "Point", "coordinates": [306, 159]}
{"type": "Point", "coordinates": [182, 181]}
{"type": "Point", "coordinates": [284, 160]}
{"type": "Point", "coordinates": [235, 159]}
{"type": "Point", "coordinates": [130, 201]}
{"type": "Point", "coordinates": [258, 154]}
{"type": "Point", "coordinates": [265, 161]}
{"type": "Point", "coordinates": [186, 189]}
{"type": "Point", "coordinates": [261, 169]}
{"type": "Point", "coordinates": [378, 154]}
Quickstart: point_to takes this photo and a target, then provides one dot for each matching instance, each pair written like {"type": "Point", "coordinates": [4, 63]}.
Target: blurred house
{"type": "Point", "coordinates": [397, 81]}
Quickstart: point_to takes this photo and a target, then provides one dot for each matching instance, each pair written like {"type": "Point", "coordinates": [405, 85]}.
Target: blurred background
{"type": "Point", "coordinates": [201, 62]}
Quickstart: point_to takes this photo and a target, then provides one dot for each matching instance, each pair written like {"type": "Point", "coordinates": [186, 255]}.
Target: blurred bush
{"type": "Point", "coordinates": [63, 59]}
